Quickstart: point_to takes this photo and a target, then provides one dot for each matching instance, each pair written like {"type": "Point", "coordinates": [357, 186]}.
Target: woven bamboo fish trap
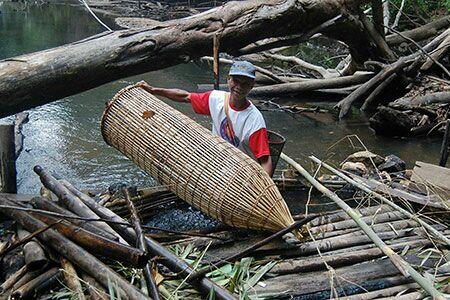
{"type": "Point", "coordinates": [202, 169]}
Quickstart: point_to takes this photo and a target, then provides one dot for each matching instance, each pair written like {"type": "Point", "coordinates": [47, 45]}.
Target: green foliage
{"type": "Point", "coordinates": [426, 8]}
{"type": "Point", "coordinates": [239, 277]}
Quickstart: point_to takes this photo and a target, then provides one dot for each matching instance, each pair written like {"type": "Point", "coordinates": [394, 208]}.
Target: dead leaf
{"type": "Point", "coordinates": [147, 114]}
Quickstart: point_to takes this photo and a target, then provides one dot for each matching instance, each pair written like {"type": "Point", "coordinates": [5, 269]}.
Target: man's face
{"type": "Point", "coordinates": [240, 86]}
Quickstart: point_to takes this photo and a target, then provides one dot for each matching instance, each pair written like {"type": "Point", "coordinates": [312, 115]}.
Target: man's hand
{"type": "Point", "coordinates": [145, 86]}
{"type": "Point", "coordinates": [266, 164]}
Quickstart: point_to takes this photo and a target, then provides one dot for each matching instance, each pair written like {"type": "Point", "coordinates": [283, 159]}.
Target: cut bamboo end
{"type": "Point", "coordinates": [202, 169]}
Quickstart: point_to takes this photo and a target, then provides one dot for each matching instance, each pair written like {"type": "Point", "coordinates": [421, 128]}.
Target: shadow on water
{"type": "Point", "coordinates": [64, 136]}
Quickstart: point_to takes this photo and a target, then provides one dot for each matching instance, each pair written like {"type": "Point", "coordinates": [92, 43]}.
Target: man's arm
{"type": "Point", "coordinates": [266, 164]}
{"type": "Point", "coordinates": [172, 94]}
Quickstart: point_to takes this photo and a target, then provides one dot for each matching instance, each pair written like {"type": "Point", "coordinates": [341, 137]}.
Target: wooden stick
{"type": "Point", "coordinates": [39, 283]}
{"type": "Point", "coordinates": [430, 228]}
{"type": "Point", "coordinates": [71, 278]}
{"type": "Point", "coordinates": [445, 145]}
{"type": "Point", "coordinates": [396, 259]}
{"type": "Point", "coordinates": [34, 254]}
{"type": "Point", "coordinates": [149, 279]}
{"type": "Point", "coordinates": [8, 174]}
{"type": "Point", "coordinates": [94, 289]}
{"type": "Point", "coordinates": [74, 253]}
{"type": "Point", "coordinates": [248, 250]}
{"type": "Point", "coordinates": [13, 279]}
{"type": "Point", "coordinates": [216, 65]}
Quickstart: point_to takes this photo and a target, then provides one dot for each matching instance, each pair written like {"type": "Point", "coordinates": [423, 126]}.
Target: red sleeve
{"type": "Point", "coordinates": [200, 103]}
{"type": "Point", "coordinates": [259, 143]}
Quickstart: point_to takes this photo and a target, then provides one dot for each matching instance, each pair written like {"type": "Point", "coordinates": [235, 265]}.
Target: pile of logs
{"type": "Point", "coordinates": [75, 238]}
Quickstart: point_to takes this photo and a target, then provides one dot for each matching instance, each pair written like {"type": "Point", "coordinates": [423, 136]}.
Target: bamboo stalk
{"type": "Point", "coordinates": [140, 239]}
{"type": "Point", "coordinates": [71, 278]}
{"type": "Point", "coordinates": [97, 244]}
{"type": "Point", "coordinates": [396, 259]}
{"type": "Point", "coordinates": [74, 253]}
{"type": "Point", "coordinates": [45, 204]}
{"type": "Point", "coordinates": [94, 289]}
{"type": "Point", "coordinates": [70, 201]}
{"type": "Point", "coordinates": [13, 279]}
{"type": "Point", "coordinates": [44, 280]}
{"type": "Point", "coordinates": [430, 228]}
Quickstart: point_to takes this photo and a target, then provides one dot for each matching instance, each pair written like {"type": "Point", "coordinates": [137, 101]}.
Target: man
{"type": "Point", "coordinates": [234, 117]}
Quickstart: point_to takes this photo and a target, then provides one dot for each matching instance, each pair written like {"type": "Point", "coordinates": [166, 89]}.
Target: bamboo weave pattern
{"type": "Point", "coordinates": [202, 169]}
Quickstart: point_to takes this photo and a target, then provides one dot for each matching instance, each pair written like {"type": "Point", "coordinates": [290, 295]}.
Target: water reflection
{"type": "Point", "coordinates": [64, 136]}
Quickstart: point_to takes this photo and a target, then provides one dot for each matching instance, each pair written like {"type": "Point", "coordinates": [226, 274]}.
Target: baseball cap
{"type": "Point", "coordinates": [243, 68]}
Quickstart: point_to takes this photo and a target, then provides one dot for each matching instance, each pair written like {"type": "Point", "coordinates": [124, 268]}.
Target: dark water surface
{"type": "Point", "coordinates": [64, 136]}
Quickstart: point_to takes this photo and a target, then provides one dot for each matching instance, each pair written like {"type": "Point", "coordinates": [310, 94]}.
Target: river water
{"type": "Point", "coordinates": [64, 136]}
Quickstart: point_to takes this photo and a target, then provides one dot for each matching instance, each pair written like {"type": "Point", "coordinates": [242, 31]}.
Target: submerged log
{"type": "Point", "coordinates": [34, 79]}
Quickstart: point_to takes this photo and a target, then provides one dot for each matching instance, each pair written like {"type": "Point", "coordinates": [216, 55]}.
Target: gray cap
{"type": "Point", "coordinates": [243, 68]}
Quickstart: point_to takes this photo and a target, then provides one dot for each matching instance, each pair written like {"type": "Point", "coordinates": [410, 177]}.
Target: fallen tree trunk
{"type": "Point", "coordinates": [409, 102]}
{"type": "Point", "coordinates": [34, 79]}
{"type": "Point", "coordinates": [310, 85]}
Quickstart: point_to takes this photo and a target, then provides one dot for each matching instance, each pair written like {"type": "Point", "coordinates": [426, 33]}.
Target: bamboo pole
{"type": "Point", "coordinates": [70, 201]}
{"type": "Point", "coordinates": [430, 228]}
{"type": "Point", "coordinates": [45, 204]}
{"type": "Point", "coordinates": [97, 244]}
{"type": "Point", "coordinates": [94, 289]}
{"type": "Point", "coordinates": [13, 279]}
{"type": "Point", "coordinates": [28, 290]}
{"type": "Point", "coordinates": [140, 241]}
{"type": "Point", "coordinates": [396, 259]}
{"type": "Point", "coordinates": [71, 278]}
{"type": "Point", "coordinates": [74, 253]}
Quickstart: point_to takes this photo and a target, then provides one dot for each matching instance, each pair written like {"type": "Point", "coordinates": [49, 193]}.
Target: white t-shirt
{"type": "Point", "coordinates": [248, 123]}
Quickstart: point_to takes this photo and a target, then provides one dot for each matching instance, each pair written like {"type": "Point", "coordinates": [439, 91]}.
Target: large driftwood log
{"type": "Point", "coordinates": [34, 79]}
